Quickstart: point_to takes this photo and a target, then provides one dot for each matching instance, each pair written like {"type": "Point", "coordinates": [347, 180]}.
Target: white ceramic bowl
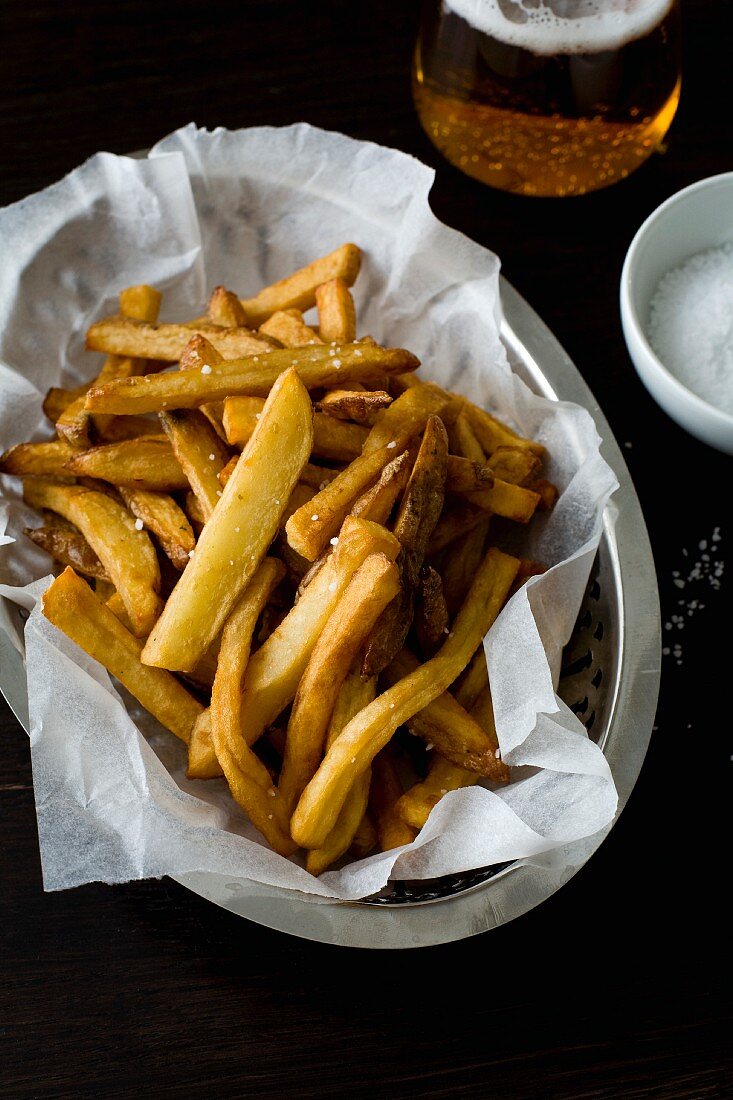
{"type": "Point", "coordinates": [695, 219]}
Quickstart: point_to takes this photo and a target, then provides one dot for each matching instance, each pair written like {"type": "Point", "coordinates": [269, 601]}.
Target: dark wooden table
{"type": "Point", "coordinates": [619, 985]}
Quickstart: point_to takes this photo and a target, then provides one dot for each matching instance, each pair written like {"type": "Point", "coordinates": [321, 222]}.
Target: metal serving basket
{"type": "Point", "coordinates": [610, 678]}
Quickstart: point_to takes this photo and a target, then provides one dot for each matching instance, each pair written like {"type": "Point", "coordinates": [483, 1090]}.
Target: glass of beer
{"type": "Point", "coordinates": [548, 97]}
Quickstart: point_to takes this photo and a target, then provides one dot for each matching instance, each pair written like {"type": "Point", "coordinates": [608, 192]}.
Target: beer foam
{"type": "Point", "coordinates": [563, 26]}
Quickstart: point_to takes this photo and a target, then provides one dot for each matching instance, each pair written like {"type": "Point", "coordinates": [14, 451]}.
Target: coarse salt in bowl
{"type": "Point", "coordinates": [674, 289]}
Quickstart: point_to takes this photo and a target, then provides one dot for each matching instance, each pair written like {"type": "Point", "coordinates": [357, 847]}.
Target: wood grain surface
{"type": "Point", "coordinates": [618, 986]}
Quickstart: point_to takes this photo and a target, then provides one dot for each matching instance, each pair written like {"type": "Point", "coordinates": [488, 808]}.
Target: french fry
{"type": "Point", "coordinates": [275, 670]}
{"type": "Point", "coordinates": [492, 433]}
{"type": "Point", "coordinates": [127, 554]}
{"type": "Point", "coordinates": [140, 340]}
{"type": "Point", "coordinates": [358, 405]}
{"type": "Point", "coordinates": [516, 465]}
{"type": "Point", "coordinates": [116, 605]}
{"type": "Point", "coordinates": [161, 515]}
{"type": "Point", "coordinates": [194, 512]}
{"type": "Point", "coordinates": [459, 568]}
{"type": "Point", "coordinates": [431, 612]}
{"type": "Point", "coordinates": [226, 471]}
{"type": "Point", "coordinates": [418, 513]}
{"type": "Point", "coordinates": [298, 291]}
{"type": "Point", "coordinates": [407, 416]}
{"type": "Point", "coordinates": [507, 500]}
{"type": "Point", "coordinates": [142, 303]}
{"type": "Point", "coordinates": [133, 464]}
{"type": "Point", "coordinates": [289, 329]}
{"type": "Point", "coordinates": [58, 399]}
{"type": "Point", "coordinates": [376, 504]}
{"type": "Point", "coordinates": [474, 679]}
{"type": "Point", "coordinates": [549, 495]}
{"type": "Point", "coordinates": [253, 376]}
{"type": "Point", "coordinates": [384, 794]}
{"type": "Point", "coordinates": [463, 440]}
{"type": "Point", "coordinates": [38, 460]}
{"type": "Point", "coordinates": [199, 452]}
{"type": "Point", "coordinates": [371, 588]}
{"type": "Point", "coordinates": [336, 313]}
{"type": "Point", "coordinates": [456, 520]}
{"type": "Point", "coordinates": [237, 535]}
{"type": "Point", "coordinates": [464, 476]}
{"type": "Point", "coordinates": [373, 727]}
{"type": "Point", "coordinates": [333, 439]}
{"type": "Point", "coordinates": [226, 695]}
{"type": "Point", "coordinates": [225, 309]}
{"type": "Point", "coordinates": [354, 694]}
{"type": "Point", "coordinates": [310, 528]}
{"type": "Point", "coordinates": [64, 543]}
{"type": "Point", "coordinates": [71, 606]}
{"type": "Point", "coordinates": [197, 354]}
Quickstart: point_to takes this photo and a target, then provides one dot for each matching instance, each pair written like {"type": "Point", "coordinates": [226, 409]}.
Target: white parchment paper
{"type": "Point", "coordinates": [243, 209]}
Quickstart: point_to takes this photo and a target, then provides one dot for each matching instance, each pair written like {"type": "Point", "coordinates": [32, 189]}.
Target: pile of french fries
{"type": "Point", "coordinates": [287, 548]}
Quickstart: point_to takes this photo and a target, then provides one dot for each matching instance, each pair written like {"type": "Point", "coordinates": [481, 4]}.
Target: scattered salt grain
{"type": "Point", "coordinates": [357, 354]}
{"type": "Point", "coordinates": [138, 525]}
{"type": "Point", "coordinates": [206, 369]}
{"type": "Point", "coordinates": [212, 457]}
{"type": "Point", "coordinates": [190, 553]}
{"type": "Point", "coordinates": [231, 562]}
{"type": "Point", "coordinates": [691, 325]}
{"type": "Point", "coordinates": [314, 517]}
{"type": "Point", "coordinates": [497, 754]}
{"type": "Point", "coordinates": [444, 790]}
{"type": "Point", "coordinates": [332, 586]}
{"type": "Point", "coordinates": [334, 541]}
{"type": "Point", "coordinates": [218, 492]}
{"type": "Point", "coordinates": [272, 792]}
{"type": "Point", "coordinates": [336, 363]}
{"type": "Point", "coordinates": [429, 746]}
{"type": "Point", "coordinates": [391, 444]}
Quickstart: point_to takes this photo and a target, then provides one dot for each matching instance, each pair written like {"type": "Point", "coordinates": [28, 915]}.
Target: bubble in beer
{"type": "Point", "coordinates": [548, 27]}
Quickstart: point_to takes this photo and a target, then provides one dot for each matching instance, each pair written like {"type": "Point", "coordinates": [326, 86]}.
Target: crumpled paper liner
{"type": "Point", "coordinates": [243, 209]}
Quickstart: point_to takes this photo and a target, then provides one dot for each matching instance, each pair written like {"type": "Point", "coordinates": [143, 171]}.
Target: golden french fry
{"type": "Point", "coordinates": [116, 605]}
{"type": "Point", "coordinates": [226, 695]}
{"type": "Point", "coordinates": [333, 439]}
{"type": "Point", "coordinates": [354, 694]}
{"type": "Point", "coordinates": [516, 465]}
{"type": "Point", "coordinates": [549, 495]}
{"type": "Point", "coordinates": [464, 476]}
{"type": "Point", "coordinates": [142, 303]}
{"type": "Point", "coordinates": [459, 568]}
{"type": "Point", "coordinates": [298, 291]}
{"type": "Point", "coordinates": [384, 794]}
{"type": "Point", "coordinates": [431, 612]}
{"type": "Point", "coordinates": [492, 433]}
{"type": "Point", "coordinates": [290, 329]}
{"type": "Point", "coordinates": [336, 313]}
{"type": "Point", "coordinates": [310, 528]}
{"type": "Point", "coordinates": [161, 515]}
{"type": "Point", "coordinates": [225, 309]}
{"type": "Point", "coordinates": [275, 670]}
{"type": "Point", "coordinates": [253, 376]}
{"type": "Point", "coordinates": [140, 340]}
{"type": "Point", "coordinates": [463, 440]}
{"type": "Point", "coordinates": [371, 588]}
{"type": "Point", "coordinates": [507, 500]}
{"type": "Point", "coordinates": [236, 537]}
{"type": "Point", "coordinates": [199, 452]}
{"type": "Point", "coordinates": [407, 416]}
{"type": "Point", "coordinates": [38, 459]}
{"type": "Point", "coordinates": [58, 399]}
{"type": "Point", "coordinates": [133, 464]}
{"type": "Point", "coordinates": [418, 513]}
{"type": "Point", "coordinates": [358, 405]}
{"type": "Point", "coordinates": [71, 605]}
{"type": "Point", "coordinates": [373, 727]}
{"type": "Point", "coordinates": [226, 471]}
{"type": "Point", "coordinates": [126, 553]}
{"type": "Point", "coordinates": [64, 543]}
{"type": "Point", "coordinates": [474, 679]}
{"type": "Point", "coordinates": [376, 504]}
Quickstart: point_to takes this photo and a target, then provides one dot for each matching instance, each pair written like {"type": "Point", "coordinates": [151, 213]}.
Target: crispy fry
{"type": "Point", "coordinates": [376, 504]}
{"type": "Point", "coordinates": [140, 340]}
{"type": "Point", "coordinates": [407, 416]}
{"type": "Point", "coordinates": [142, 303]}
{"type": "Point", "coordinates": [58, 399]}
{"type": "Point", "coordinates": [372, 728]}
{"type": "Point", "coordinates": [226, 695]}
{"type": "Point", "coordinates": [354, 694]}
{"type": "Point", "coordinates": [290, 329]}
{"type": "Point", "coordinates": [463, 440]}
{"type": "Point", "coordinates": [116, 605]}
{"type": "Point", "coordinates": [161, 515]}
{"type": "Point", "coordinates": [371, 588]}
{"type": "Point", "coordinates": [464, 476]}
{"type": "Point", "coordinates": [504, 499]}
{"type": "Point", "coordinates": [126, 553]}
{"type": "Point", "coordinates": [385, 791]}
{"type": "Point", "coordinates": [418, 513]}
{"type": "Point", "coordinates": [459, 568]}
{"type": "Point", "coordinates": [431, 612]}
{"type": "Point", "coordinates": [298, 291]}
{"type": "Point", "coordinates": [38, 460]}
{"type": "Point", "coordinates": [358, 405]}
{"type": "Point", "coordinates": [549, 495]}
{"type": "Point", "coordinates": [199, 452]}
{"type": "Point", "coordinates": [276, 668]}
{"type": "Point", "coordinates": [253, 376]}
{"type": "Point", "coordinates": [336, 313]}
{"type": "Point", "coordinates": [64, 543]}
{"type": "Point", "coordinates": [492, 433]}
{"type": "Point", "coordinates": [333, 439]}
{"type": "Point", "coordinates": [226, 471]}
{"type": "Point", "coordinates": [134, 464]}
{"type": "Point", "coordinates": [311, 527]}
{"type": "Point", "coordinates": [225, 309]}
{"type": "Point", "coordinates": [235, 539]}
{"type": "Point", "coordinates": [71, 605]}
{"type": "Point", "coordinates": [517, 465]}
{"type": "Point", "coordinates": [474, 680]}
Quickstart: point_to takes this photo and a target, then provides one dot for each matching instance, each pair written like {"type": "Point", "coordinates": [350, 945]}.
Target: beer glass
{"type": "Point", "coordinates": [548, 97]}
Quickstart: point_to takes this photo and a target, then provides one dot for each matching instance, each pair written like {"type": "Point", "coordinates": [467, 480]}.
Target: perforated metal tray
{"type": "Point", "coordinates": [610, 678]}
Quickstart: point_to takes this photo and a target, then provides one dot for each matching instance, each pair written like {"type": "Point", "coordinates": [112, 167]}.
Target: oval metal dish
{"type": "Point", "coordinates": [610, 678]}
